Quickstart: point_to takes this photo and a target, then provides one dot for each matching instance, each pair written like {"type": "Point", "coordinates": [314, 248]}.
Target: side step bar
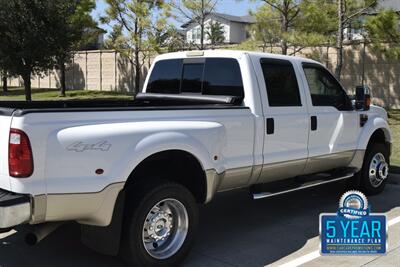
{"type": "Point", "coordinates": [300, 186]}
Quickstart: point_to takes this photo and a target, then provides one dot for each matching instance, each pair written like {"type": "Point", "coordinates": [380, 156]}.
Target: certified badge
{"type": "Point", "coordinates": [353, 229]}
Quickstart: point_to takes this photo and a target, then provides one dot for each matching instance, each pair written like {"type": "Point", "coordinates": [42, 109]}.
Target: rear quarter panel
{"type": "Point", "coordinates": [69, 147]}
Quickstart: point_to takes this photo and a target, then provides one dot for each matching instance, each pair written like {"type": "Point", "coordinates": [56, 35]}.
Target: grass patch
{"type": "Point", "coordinates": [18, 93]}
{"type": "Point", "coordinates": [394, 123]}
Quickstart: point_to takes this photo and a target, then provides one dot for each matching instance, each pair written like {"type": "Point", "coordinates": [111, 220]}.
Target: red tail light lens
{"type": "Point", "coordinates": [20, 160]}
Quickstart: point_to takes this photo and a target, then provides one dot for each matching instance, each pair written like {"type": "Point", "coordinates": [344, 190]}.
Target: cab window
{"type": "Point", "coordinates": [208, 76]}
{"type": "Point", "coordinates": [281, 83]}
{"type": "Point", "coordinates": [325, 90]}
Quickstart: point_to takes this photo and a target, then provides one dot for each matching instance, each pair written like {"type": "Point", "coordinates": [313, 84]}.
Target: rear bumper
{"type": "Point", "coordinates": [15, 209]}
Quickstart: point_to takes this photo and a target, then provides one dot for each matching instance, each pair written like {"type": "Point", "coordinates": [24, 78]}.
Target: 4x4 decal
{"type": "Point", "coordinates": [81, 146]}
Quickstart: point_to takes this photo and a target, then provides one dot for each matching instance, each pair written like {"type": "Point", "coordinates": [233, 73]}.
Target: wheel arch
{"type": "Point", "coordinates": [175, 165]}
{"type": "Point", "coordinates": [377, 130]}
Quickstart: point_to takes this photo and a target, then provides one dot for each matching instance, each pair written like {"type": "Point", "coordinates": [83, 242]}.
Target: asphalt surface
{"type": "Point", "coordinates": [234, 231]}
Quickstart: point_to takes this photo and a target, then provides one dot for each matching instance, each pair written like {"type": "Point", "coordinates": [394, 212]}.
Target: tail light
{"type": "Point", "coordinates": [20, 160]}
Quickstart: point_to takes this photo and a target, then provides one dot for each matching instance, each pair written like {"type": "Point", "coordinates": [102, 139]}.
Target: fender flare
{"type": "Point", "coordinates": [370, 128]}
{"type": "Point", "coordinates": [166, 141]}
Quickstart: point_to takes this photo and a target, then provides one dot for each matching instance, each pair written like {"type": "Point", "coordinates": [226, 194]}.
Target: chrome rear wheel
{"type": "Point", "coordinates": [165, 228]}
{"type": "Point", "coordinates": [160, 223]}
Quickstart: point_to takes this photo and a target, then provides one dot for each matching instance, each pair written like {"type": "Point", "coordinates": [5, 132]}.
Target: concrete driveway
{"type": "Point", "coordinates": [234, 231]}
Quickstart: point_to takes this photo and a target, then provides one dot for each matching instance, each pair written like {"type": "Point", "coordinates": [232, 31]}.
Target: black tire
{"type": "Point", "coordinates": [363, 177]}
{"type": "Point", "coordinates": [140, 202]}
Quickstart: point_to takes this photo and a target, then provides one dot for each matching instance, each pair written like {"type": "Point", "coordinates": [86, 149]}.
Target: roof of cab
{"type": "Point", "coordinates": [230, 54]}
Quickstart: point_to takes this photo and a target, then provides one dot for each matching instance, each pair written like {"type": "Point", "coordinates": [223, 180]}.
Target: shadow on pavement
{"type": "Point", "coordinates": [395, 169]}
{"type": "Point", "coordinates": [234, 231]}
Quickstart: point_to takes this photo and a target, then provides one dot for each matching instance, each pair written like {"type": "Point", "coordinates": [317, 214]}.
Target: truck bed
{"type": "Point", "coordinates": [146, 101]}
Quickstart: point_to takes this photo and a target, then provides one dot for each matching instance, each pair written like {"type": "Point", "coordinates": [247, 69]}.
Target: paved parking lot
{"type": "Point", "coordinates": [234, 231]}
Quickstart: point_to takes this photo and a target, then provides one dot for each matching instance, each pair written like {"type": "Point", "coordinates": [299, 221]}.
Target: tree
{"type": "Point", "coordinates": [27, 30]}
{"type": "Point", "coordinates": [138, 19]}
{"type": "Point", "coordinates": [293, 24]}
{"type": "Point", "coordinates": [383, 32]}
{"type": "Point", "coordinates": [267, 29]}
{"type": "Point", "coordinates": [3, 75]}
{"type": "Point", "coordinates": [116, 38]}
{"type": "Point", "coordinates": [196, 11]}
{"type": "Point", "coordinates": [215, 33]}
{"type": "Point", "coordinates": [348, 11]}
{"type": "Point", "coordinates": [4, 78]}
{"type": "Point", "coordinates": [77, 28]}
{"type": "Point", "coordinates": [172, 39]}
{"type": "Point", "coordinates": [288, 11]}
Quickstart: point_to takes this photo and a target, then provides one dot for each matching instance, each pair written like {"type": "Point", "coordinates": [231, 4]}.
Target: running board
{"type": "Point", "coordinates": [303, 186]}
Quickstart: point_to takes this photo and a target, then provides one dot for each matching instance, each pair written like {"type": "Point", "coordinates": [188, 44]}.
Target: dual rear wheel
{"type": "Point", "coordinates": [160, 225]}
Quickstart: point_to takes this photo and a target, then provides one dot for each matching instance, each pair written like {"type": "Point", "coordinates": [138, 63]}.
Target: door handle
{"type": "Point", "coordinates": [270, 126]}
{"type": "Point", "coordinates": [314, 123]}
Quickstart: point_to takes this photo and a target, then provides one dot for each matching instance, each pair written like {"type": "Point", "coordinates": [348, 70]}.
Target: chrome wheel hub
{"type": "Point", "coordinates": [159, 225]}
{"type": "Point", "coordinates": [165, 228]}
{"type": "Point", "coordinates": [378, 170]}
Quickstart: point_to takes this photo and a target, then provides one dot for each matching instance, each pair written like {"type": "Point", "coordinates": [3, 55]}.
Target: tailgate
{"type": "Point", "coordinates": [5, 123]}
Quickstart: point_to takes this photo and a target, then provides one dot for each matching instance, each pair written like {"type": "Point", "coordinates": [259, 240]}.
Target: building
{"type": "Point", "coordinates": [235, 28]}
{"type": "Point", "coordinates": [356, 33]}
{"type": "Point", "coordinates": [96, 36]}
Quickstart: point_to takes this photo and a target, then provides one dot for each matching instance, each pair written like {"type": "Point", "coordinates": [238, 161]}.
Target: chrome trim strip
{"type": "Point", "coordinates": [330, 161]}
{"type": "Point", "coordinates": [235, 178]}
{"type": "Point", "coordinates": [87, 208]}
{"type": "Point", "coordinates": [213, 180]}
{"type": "Point", "coordinates": [267, 194]}
{"type": "Point", "coordinates": [39, 207]}
{"type": "Point", "coordinates": [281, 170]}
{"type": "Point", "coordinates": [358, 159]}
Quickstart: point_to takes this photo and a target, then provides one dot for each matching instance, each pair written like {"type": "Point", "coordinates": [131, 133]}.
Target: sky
{"type": "Point", "coordinates": [231, 7]}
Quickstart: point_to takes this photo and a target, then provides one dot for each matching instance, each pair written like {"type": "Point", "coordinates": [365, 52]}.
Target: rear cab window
{"type": "Point", "coordinates": [206, 76]}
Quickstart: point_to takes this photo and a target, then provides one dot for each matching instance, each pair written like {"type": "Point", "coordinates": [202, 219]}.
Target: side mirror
{"type": "Point", "coordinates": [363, 98]}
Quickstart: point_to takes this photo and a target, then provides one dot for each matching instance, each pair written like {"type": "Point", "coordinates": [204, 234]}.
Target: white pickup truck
{"type": "Point", "coordinates": [132, 172]}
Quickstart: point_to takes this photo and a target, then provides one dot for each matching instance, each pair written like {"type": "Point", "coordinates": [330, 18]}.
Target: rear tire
{"type": "Point", "coordinates": [160, 224]}
{"type": "Point", "coordinates": [373, 175]}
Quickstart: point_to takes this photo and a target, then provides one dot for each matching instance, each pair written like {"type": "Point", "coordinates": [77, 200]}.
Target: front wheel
{"type": "Point", "coordinates": [375, 170]}
{"type": "Point", "coordinates": [159, 226]}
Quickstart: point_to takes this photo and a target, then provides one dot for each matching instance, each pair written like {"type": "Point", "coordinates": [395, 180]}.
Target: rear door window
{"type": "Point", "coordinates": [281, 83]}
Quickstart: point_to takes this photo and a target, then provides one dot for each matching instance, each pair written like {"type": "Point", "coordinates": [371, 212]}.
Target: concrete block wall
{"type": "Point", "coordinates": [103, 70]}
{"type": "Point", "coordinates": [381, 73]}
{"type": "Point", "coordinates": [109, 71]}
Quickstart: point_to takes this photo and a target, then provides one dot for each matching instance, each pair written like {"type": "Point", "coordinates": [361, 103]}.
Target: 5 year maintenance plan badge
{"type": "Point", "coordinates": [353, 230]}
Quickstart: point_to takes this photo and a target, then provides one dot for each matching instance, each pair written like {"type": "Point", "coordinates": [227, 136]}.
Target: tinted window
{"type": "Point", "coordinates": [165, 77]}
{"type": "Point", "coordinates": [325, 90]}
{"type": "Point", "coordinates": [281, 83]}
{"type": "Point", "coordinates": [192, 78]}
{"type": "Point", "coordinates": [222, 76]}
{"type": "Point", "coordinates": [210, 76]}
